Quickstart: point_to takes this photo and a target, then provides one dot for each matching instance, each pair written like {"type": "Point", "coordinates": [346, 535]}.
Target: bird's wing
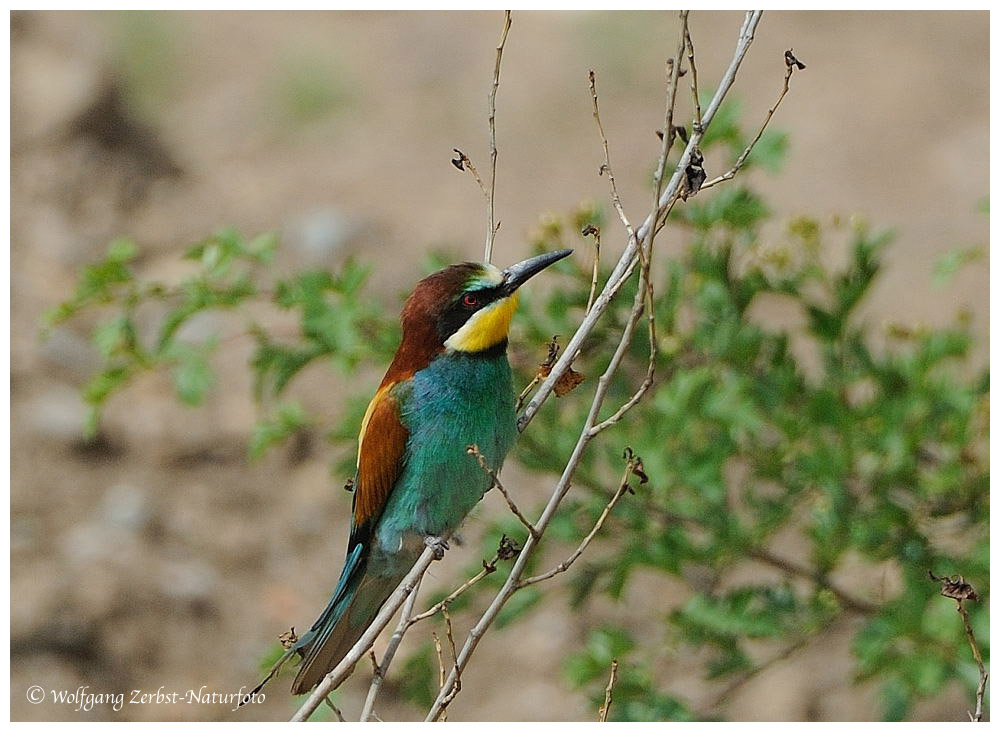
{"type": "Point", "coordinates": [381, 448]}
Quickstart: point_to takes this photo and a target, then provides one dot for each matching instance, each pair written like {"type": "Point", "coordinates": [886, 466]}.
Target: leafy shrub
{"type": "Point", "coordinates": [864, 447]}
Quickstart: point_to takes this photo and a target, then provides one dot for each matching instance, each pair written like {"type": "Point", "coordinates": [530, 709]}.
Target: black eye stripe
{"type": "Point", "coordinates": [458, 313]}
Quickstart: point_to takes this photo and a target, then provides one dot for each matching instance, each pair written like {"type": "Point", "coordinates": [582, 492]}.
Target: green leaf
{"type": "Point", "coordinates": [115, 337]}
{"type": "Point", "coordinates": [192, 374]}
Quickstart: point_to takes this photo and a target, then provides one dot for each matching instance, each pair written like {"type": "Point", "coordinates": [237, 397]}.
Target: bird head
{"type": "Point", "coordinates": [465, 308]}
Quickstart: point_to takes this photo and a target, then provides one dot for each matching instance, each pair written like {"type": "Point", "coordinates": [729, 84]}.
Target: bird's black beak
{"type": "Point", "coordinates": [517, 274]}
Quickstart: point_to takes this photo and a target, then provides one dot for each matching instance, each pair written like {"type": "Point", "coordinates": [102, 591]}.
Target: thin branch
{"type": "Point", "coordinates": [623, 488]}
{"type": "Point", "coordinates": [381, 669]}
{"type": "Point", "coordinates": [695, 102]}
{"type": "Point", "coordinates": [329, 703]}
{"type": "Point", "coordinates": [506, 550]}
{"type": "Point", "coordinates": [959, 590]}
{"type": "Point", "coordinates": [440, 657]}
{"type": "Point", "coordinates": [437, 607]}
{"type": "Point", "coordinates": [850, 602]}
{"type": "Point", "coordinates": [343, 669]}
{"type": "Point", "coordinates": [457, 685]}
{"type": "Point", "coordinates": [669, 131]}
{"type": "Point", "coordinates": [602, 715]}
{"type": "Point", "coordinates": [491, 225]}
{"type": "Point", "coordinates": [791, 65]}
{"type": "Point", "coordinates": [615, 198]}
{"type": "Point", "coordinates": [595, 231]}
{"type": "Point", "coordinates": [983, 675]}
{"type": "Point", "coordinates": [622, 270]}
{"type": "Point", "coordinates": [474, 450]}
{"type": "Point", "coordinates": [660, 211]}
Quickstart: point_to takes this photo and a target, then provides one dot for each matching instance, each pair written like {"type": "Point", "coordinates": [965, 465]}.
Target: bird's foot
{"type": "Point", "coordinates": [439, 544]}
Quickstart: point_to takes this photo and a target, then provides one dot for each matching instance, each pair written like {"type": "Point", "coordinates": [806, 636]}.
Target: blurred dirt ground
{"type": "Point", "coordinates": [159, 556]}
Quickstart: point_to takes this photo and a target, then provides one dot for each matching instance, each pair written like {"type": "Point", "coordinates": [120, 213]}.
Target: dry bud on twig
{"type": "Point", "coordinates": [602, 715]}
{"type": "Point", "coordinates": [959, 590]}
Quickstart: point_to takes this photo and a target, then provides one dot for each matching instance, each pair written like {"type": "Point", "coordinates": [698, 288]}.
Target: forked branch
{"type": "Point", "coordinates": [792, 64]}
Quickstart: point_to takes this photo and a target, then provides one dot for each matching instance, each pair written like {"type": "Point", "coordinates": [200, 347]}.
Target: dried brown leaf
{"type": "Point", "coordinates": [568, 382]}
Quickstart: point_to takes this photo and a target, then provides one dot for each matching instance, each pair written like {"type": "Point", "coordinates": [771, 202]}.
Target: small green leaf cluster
{"type": "Point", "coordinates": [141, 324]}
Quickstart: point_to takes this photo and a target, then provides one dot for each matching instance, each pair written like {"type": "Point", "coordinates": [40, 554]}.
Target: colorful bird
{"type": "Point", "coordinates": [449, 386]}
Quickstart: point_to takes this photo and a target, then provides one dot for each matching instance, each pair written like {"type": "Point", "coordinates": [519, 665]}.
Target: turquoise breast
{"type": "Point", "coordinates": [457, 401]}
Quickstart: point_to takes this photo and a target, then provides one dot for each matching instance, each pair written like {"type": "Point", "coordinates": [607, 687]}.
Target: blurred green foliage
{"type": "Point", "coordinates": [864, 448]}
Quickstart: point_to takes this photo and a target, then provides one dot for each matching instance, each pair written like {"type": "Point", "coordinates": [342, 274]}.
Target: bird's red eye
{"type": "Point", "coordinates": [470, 300]}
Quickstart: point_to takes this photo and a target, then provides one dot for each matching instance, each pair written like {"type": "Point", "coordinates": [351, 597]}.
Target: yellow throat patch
{"type": "Point", "coordinates": [486, 328]}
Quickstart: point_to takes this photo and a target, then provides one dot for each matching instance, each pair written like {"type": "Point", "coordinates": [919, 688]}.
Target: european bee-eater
{"type": "Point", "coordinates": [449, 386]}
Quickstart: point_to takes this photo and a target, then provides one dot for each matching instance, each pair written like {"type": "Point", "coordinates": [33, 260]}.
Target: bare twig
{"type": "Point", "coordinates": [602, 715]}
{"type": "Point", "coordinates": [329, 703]}
{"type": "Point", "coordinates": [491, 225]}
{"type": "Point", "coordinates": [437, 607]}
{"type": "Point", "coordinates": [462, 162]}
{"type": "Point", "coordinates": [381, 669]}
{"type": "Point", "coordinates": [695, 102]}
{"type": "Point", "coordinates": [791, 65]}
{"type": "Point", "coordinates": [959, 590]}
{"type": "Point", "coordinates": [474, 450]}
{"type": "Point", "coordinates": [440, 656]}
{"type": "Point", "coordinates": [621, 272]}
{"type": "Point", "coordinates": [527, 390]}
{"type": "Point", "coordinates": [507, 550]}
{"type": "Point", "coordinates": [457, 685]}
{"type": "Point", "coordinates": [983, 675]}
{"type": "Point", "coordinates": [591, 230]}
{"type": "Point", "coordinates": [669, 131]}
{"type": "Point", "coordinates": [632, 465]}
{"type": "Point", "coordinates": [615, 198]}
{"type": "Point", "coordinates": [344, 668]}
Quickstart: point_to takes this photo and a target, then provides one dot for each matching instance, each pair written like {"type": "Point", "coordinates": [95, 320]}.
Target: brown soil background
{"type": "Point", "coordinates": [162, 557]}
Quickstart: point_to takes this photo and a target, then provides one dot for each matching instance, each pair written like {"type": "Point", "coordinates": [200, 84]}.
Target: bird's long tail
{"type": "Point", "coordinates": [365, 584]}
{"type": "Point", "coordinates": [348, 615]}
